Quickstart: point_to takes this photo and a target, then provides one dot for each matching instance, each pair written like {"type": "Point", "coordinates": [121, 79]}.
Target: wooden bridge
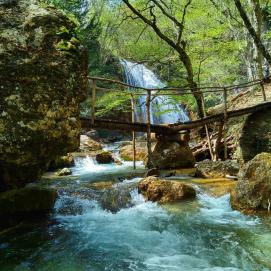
{"type": "Point", "coordinates": [171, 129]}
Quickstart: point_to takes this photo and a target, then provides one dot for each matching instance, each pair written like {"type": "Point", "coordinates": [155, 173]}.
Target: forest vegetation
{"type": "Point", "coordinates": [194, 43]}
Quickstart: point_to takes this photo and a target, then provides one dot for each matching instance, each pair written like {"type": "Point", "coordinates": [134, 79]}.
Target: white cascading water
{"type": "Point", "coordinates": [164, 109]}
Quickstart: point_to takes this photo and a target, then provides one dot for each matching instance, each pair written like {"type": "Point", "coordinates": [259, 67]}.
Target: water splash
{"type": "Point", "coordinates": [89, 165]}
{"type": "Point", "coordinates": [164, 109]}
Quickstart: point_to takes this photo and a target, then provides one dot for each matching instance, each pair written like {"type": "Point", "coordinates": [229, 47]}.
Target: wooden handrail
{"type": "Point", "coordinates": [184, 88]}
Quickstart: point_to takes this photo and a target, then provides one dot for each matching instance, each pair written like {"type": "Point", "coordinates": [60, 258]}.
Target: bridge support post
{"type": "Point", "coordinates": [133, 133]}
{"type": "Point", "coordinates": [206, 129]}
{"type": "Point", "coordinates": [263, 92]}
{"type": "Point", "coordinates": [148, 105]}
{"type": "Point", "coordinates": [94, 86]}
{"type": "Point", "coordinates": [225, 123]}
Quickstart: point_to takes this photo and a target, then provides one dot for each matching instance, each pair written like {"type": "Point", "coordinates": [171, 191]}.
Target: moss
{"type": "Point", "coordinates": [66, 46]}
{"type": "Point", "coordinates": [29, 199]}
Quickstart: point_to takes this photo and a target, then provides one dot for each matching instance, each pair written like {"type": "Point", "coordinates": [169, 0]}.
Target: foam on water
{"type": "Point", "coordinates": [148, 237]}
{"type": "Point", "coordinates": [198, 235]}
{"type": "Point", "coordinates": [89, 165]}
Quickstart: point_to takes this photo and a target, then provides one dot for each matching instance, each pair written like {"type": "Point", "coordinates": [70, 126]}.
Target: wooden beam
{"type": "Point", "coordinates": [207, 130]}
{"type": "Point", "coordinates": [93, 101]}
{"type": "Point", "coordinates": [225, 123]}
{"type": "Point", "coordinates": [133, 132]}
{"type": "Point", "coordinates": [218, 117]}
{"type": "Point", "coordinates": [172, 128]}
{"type": "Point", "coordinates": [263, 92]}
{"type": "Point", "coordinates": [148, 106]}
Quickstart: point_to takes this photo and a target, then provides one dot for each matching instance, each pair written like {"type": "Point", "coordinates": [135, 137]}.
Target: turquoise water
{"type": "Point", "coordinates": [205, 234]}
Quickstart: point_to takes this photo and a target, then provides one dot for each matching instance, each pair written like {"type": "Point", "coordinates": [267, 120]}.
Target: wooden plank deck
{"type": "Point", "coordinates": [172, 128]}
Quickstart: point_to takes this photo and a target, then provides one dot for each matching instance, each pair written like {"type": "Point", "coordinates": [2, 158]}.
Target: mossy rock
{"type": "Point", "coordinates": [253, 190]}
{"type": "Point", "coordinates": [104, 157]}
{"type": "Point", "coordinates": [26, 203]}
{"type": "Point", "coordinates": [40, 105]}
{"type": "Point", "coordinates": [165, 191]}
{"type": "Point", "coordinates": [28, 199]}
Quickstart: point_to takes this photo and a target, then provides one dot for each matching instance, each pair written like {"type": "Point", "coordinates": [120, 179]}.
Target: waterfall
{"type": "Point", "coordinates": [164, 109]}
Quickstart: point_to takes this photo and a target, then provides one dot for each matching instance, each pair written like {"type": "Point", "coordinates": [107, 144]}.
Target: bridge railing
{"type": "Point", "coordinates": [151, 93]}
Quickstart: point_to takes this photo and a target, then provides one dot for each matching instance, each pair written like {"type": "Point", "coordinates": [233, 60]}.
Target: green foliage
{"type": "Point", "coordinates": [215, 40]}
{"type": "Point", "coordinates": [112, 101]}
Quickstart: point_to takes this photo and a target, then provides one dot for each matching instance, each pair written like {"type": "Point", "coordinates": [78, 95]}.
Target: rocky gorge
{"type": "Point", "coordinates": [71, 199]}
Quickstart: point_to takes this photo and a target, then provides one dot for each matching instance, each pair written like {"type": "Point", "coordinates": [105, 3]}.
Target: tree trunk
{"type": "Point", "coordinates": [252, 31]}
{"type": "Point", "coordinates": [258, 23]}
{"type": "Point", "coordinates": [192, 84]}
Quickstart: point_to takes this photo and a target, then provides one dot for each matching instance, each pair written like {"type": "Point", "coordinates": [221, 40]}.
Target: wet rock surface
{"type": "Point", "coordinates": [43, 80]}
{"type": "Point", "coordinates": [25, 203]}
{"type": "Point", "coordinates": [115, 199]}
{"type": "Point", "coordinates": [64, 172]}
{"type": "Point", "coordinates": [164, 191]}
{"type": "Point", "coordinates": [104, 157]}
{"type": "Point", "coordinates": [216, 169]}
{"type": "Point", "coordinates": [62, 162]}
{"type": "Point", "coordinates": [253, 191]}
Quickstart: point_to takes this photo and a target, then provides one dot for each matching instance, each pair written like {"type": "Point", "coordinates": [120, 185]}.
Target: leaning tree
{"type": "Point", "coordinates": [167, 20]}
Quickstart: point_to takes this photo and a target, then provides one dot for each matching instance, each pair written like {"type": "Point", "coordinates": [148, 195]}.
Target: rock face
{"type": "Point", "coordinates": [164, 191]}
{"type": "Point", "coordinates": [43, 72]}
{"type": "Point", "coordinates": [217, 169]}
{"type": "Point", "coordinates": [170, 155]}
{"type": "Point", "coordinates": [256, 135]}
{"type": "Point", "coordinates": [20, 204]}
{"type": "Point", "coordinates": [253, 191]}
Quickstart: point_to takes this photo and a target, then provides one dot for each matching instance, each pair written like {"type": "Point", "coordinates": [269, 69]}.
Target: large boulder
{"type": "Point", "coordinates": [171, 155]}
{"type": "Point", "coordinates": [43, 75]}
{"type": "Point", "coordinates": [25, 203]}
{"type": "Point", "coordinates": [104, 157]}
{"type": "Point", "coordinates": [253, 190]}
{"type": "Point", "coordinates": [164, 191]}
{"type": "Point", "coordinates": [256, 135]}
{"type": "Point", "coordinates": [217, 169]}
{"type": "Point", "coordinates": [89, 144]}
{"type": "Point", "coordinates": [127, 152]}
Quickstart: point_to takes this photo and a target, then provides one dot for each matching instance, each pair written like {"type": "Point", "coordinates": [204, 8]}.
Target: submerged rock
{"type": "Point", "coordinates": [104, 157]}
{"type": "Point", "coordinates": [170, 155]}
{"type": "Point", "coordinates": [216, 169]}
{"type": "Point", "coordinates": [64, 172]}
{"type": "Point", "coordinates": [24, 203]}
{"type": "Point", "coordinates": [61, 162]}
{"type": "Point", "coordinates": [43, 75]}
{"type": "Point", "coordinates": [115, 199]}
{"type": "Point", "coordinates": [101, 185]}
{"type": "Point", "coordinates": [253, 190]}
{"type": "Point", "coordinates": [163, 191]}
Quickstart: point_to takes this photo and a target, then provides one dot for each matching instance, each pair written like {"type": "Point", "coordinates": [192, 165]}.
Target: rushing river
{"type": "Point", "coordinates": [204, 234]}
